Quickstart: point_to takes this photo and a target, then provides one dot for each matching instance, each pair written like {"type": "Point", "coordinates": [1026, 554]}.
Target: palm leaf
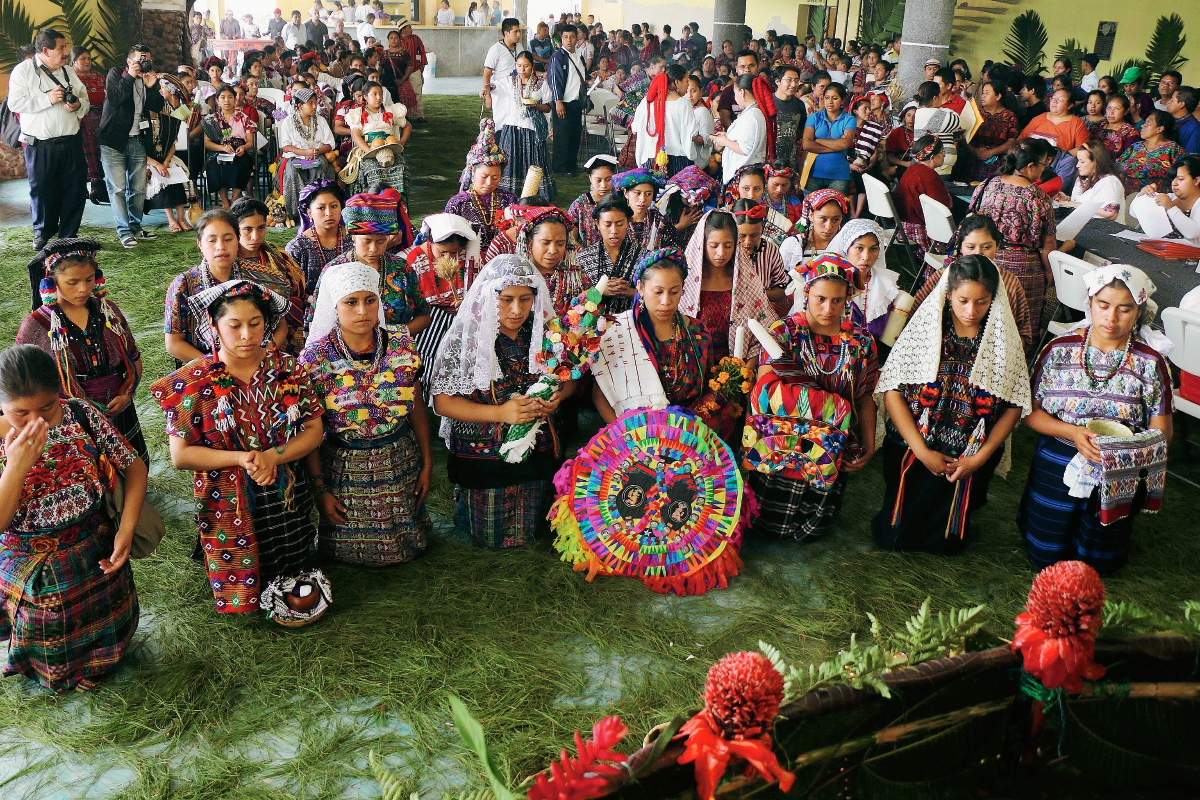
{"type": "Point", "coordinates": [816, 23]}
{"type": "Point", "coordinates": [17, 28]}
{"type": "Point", "coordinates": [1026, 43]}
{"type": "Point", "coordinates": [878, 24]}
{"type": "Point", "coordinates": [1165, 51]}
{"type": "Point", "coordinates": [1119, 69]}
{"type": "Point", "coordinates": [77, 20]}
{"type": "Point", "coordinates": [1075, 51]}
{"type": "Point", "coordinates": [111, 39]}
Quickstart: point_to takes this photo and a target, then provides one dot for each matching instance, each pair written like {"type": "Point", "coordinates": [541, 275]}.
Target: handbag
{"type": "Point", "coordinates": [150, 529]}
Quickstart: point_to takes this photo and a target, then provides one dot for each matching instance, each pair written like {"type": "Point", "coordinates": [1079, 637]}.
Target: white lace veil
{"type": "Point", "coordinates": [466, 358]}
{"type": "Point", "coordinates": [337, 282]}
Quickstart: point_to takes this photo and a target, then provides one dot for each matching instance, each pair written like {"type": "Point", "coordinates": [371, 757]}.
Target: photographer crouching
{"type": "Point", "coordinates": [50, 100]}
{"type": "Point", "coordinates": [131, 93]}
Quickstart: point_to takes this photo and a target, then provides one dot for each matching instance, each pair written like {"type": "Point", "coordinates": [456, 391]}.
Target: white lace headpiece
{"type": "Point", "coordinates": [466, 358]}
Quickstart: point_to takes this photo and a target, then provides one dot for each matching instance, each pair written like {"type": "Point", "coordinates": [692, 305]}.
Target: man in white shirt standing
{"type": "Point", "coordinates": [1090, 81]}
{"type": "Point", "coordinates": [293, 32]}
{"type": "Point", "coordinates": [366, 30]}
{"type": "Point", "coordinates": [50, 99]}
{"type": "Point", "coordinates": [501, 59]}
{"type": "Point", "coordinates": [566, 75]}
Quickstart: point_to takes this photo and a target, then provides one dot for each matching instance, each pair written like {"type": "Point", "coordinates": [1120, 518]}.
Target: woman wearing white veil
{"type": "Point", "coordinates": [483, 366]}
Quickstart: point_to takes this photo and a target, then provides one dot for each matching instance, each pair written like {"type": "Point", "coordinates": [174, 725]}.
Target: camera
{"type": "Point", "coordinates": [145, 65]}
{"type": "Point", "coordinates": [69, 97]}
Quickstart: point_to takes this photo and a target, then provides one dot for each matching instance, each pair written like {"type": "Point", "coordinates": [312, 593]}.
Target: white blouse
{"type": "Point", "coordinates": [285, 129]}
{"type": "Point", "coordinates": [508, 110]}
{"type": "Point", "coordinates": [704, 122]}
{"type": "Point", "coordinates": [749, 131]}
{"type": "Point", "coordinates": [680, 124]}
{"type": "Point", "coordinates": [1108, 191]}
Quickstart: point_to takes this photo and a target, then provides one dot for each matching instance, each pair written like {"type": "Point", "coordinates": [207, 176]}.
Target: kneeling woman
{"type": "Point", "coordinates": [238, 419]}
{"type": "Point", "coordinates": [484, 365]}
{"type": "Point", "coordinates": [70, 607]}
{"type": "Point", "coordinates": [956, 385]}
{"type": "Point", "coordinates": [372, 472]}
{"type": "Point", "coordinates": [829, 362]}
{"type": "Point", "coordinates": [1105, 371]}
{"type": "Point", "coordinates": [652, 356]}
{"type": "Point", "coordinates": [87, 335]}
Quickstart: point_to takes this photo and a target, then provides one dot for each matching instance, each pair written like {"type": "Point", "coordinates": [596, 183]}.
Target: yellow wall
{"type": "Point", "coordinates": [1065, 20]}
{"type": "Point", "coordinates": [779, 15]}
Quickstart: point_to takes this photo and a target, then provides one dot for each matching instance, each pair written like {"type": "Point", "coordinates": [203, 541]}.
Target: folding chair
{"type": "Point", "coordinates": [1183, 328]}
{"type": "Point", "coordinates": [879, 204]}
{"type": "Point", "coordinates": [602, 102]}
{"type": "Point", "coordinates": [939, 226]}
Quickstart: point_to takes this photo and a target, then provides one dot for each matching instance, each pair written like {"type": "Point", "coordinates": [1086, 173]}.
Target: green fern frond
{"type": "Point", "coordinates": [1026, 43]}
{"type": "Point", "coordinates": [478, 794]}
{"type": "Point", "coordinates": [1075, 52]}
{"type": "Point", "coordinates": [1165, 51]}
{"type": "Point", "coordinates": [876, 25]}
{"type": "Point", "coordinates": [816, 23]}
{"type": "Point", "coordinates": [387, 780]}
{"type": "Point", "coordinates": [1119, 69]}
{"type": "Point", "coordinates": [113, 34]}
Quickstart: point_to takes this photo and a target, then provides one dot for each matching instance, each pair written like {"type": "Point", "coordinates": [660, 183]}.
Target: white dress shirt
{"type": "Point", "coordinates": [28, 86]}
{"type": "Point", "coordinates": [291, 35]}
{"type": "Point", "coordinates": [1090, 82]}
{"type": "Point", "coordinates": [366, 29]}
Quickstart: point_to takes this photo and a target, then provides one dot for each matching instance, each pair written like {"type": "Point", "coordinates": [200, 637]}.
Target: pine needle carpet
{"type": "Point", "coordinates": [212, 707]}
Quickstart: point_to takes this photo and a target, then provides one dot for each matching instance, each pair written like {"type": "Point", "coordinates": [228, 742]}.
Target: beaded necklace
{"type": "Point", "coordinates": [488, 217]}
{"type": "Point", "coordinates": [367, 364]}
{"type": "Point", "coordinates": [1085, 361]}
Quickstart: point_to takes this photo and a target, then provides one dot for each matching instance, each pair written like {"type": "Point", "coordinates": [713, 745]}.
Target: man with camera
{"type": "Point", "coordinates": [131, 93]}
{"type": "Point", "coordinates": [50, 99]}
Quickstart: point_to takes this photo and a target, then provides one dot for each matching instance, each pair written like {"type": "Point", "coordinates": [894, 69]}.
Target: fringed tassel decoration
{"type": "Point", "coordinates": [959, 508]}
{"type": "Point", "coordinates": [906, 462]}
{"type": "Point", "coordinates": [568, 539]}
{"type": "Point", "coordinates": [713, 575]}
{"type": "Point", "coordinates": [749, 512]}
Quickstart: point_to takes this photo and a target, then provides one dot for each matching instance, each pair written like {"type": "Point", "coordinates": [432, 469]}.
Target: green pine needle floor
{"type": "Point", "coordinates": [212, 706]}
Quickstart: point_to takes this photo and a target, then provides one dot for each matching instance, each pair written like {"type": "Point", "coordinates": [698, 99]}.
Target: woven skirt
{"type": "Point", "coordinates": [790, 508]}
{"type": "Point", "coordinates": [923, 512]}
{"type": "Point", "coordinates": [384, 523]}
{"type": "Point", "coordinates": [1027, 266]}
{"type": "Point", "coordinates": [507, 517]}
{"type": "Point", "coordinates": [67, 623]}
{"type": "Point", "coordinates": [1059, 527]}
{"type": "Point", "coordinates": [524, 151]}
{"type": "Point", "coordinates": [375, 178]}
{"type": "Point", "coordinates": [296, 178]}
{"type": "Point", "coordinates": [283, 528]}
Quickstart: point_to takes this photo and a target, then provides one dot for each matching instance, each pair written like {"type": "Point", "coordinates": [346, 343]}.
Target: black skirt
{"type": "Point", "coordinates": [229, 174]}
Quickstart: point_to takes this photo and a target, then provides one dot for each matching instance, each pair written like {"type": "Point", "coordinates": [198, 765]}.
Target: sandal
{"type": "Point", "coordinates": [174, 226]}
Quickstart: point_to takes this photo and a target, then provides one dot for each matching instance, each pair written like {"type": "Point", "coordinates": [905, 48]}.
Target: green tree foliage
{"type": "Point", "coordinates": [1075, 51]}
{"type": "Point", "coordinates": [1026, 43]}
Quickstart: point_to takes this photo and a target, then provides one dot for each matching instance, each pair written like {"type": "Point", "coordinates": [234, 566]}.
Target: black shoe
{"type": "Point", "coordinates": [38, 244]}
{"type": "Point", "coordinates": [146, 236]}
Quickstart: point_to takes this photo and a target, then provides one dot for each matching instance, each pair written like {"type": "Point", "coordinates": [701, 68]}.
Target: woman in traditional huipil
{"type": "Point", "coordinates": [955, 386]}
{"type": "Point", "coordinates": [87, 336]}
{"type": "Point", "coordinates": [373, 471]}
{"type": "Point", "coordinates": [484, 365]}
{"type": "Point", "coordinates": [240, 419]}
{"type": "Point", "coordinates": [321, 236]}
{"type": "Point", "coordinates": [1108, 369]}
{"type": "Point", "coordinates": [828, 361]}
{"type": "Point", "coordinates": [481, 200]}
{"type": "Point", "coordinates": [69, 604]}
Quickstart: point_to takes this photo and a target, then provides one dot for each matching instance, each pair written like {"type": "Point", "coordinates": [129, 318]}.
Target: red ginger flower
{"type": "Point", "coordinates": [1057, 633]}
{"type": "Point", "coordinates": [584, 776]}
{"type": "Point", "coordinates": [741, 700]}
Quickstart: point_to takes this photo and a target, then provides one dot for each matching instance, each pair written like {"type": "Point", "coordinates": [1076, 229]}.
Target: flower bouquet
{"type": "Point", "coordinates": [569, 346]}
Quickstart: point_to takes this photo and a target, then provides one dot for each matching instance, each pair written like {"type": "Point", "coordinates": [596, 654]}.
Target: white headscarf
{"type": "Point", "coordinates": [440, 227]}
{"type": "Point", "coordinates": [1141, 287]}
{"type": "Point", "coordinates": [340, 280]}
{"type": "Point", "coordinates": [999, 367]}
{"type": "Point", "coordinates": [882, 288]}
{"type": "Point", "coordinates": [466, 358]}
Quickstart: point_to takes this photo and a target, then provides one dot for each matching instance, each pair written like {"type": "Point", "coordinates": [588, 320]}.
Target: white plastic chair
{"type": "Point", "coordinates": [1183, 328]}
{"type": "Point", "coordinates": [274, 95]}
{"type": "Point", "coordinates": [939, 226]}
{"type": "Point", "coordinates": [879, 204]}
{"type": "Point", "coordinates": [1068, 283]}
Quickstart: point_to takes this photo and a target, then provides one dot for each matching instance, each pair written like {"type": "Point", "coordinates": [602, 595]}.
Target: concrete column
{"type": "Point", "coordinates": [926, 33]}
{"type": "Point", "coordinates": [729, 22]}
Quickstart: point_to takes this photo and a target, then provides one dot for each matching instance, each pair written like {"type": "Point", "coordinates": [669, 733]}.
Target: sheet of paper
{"type": "Point", "coordinates": [1070, 227]}
{"type": "Point", "coordinates": [225, 157]}
{"type": "Point", "coordinates": [1151, 216]}
{"type": "Point", "coordinates": [1133, 236]}
{"type": "Point", "coordinates": [176, 175]}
